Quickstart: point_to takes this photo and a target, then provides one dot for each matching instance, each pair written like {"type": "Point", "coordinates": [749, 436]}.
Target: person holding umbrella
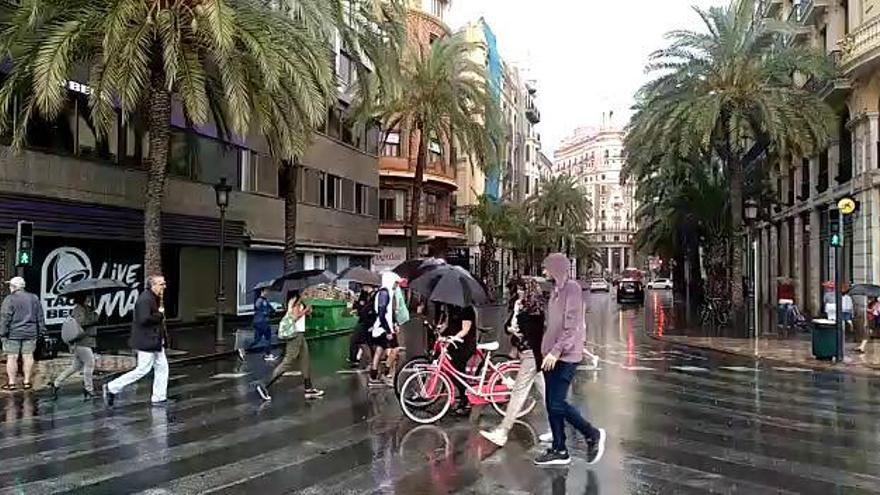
{"type": "Point", "coordinates": [262, 329]}
{"type": "Point", "coordinates": [83, 357]}
{"type": "Point", "coordinates": [562, 347]}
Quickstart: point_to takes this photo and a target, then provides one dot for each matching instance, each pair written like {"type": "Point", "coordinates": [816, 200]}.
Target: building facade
{"type": "Point", "coordinates": [794, 246]}
{"type": "Point", "coordinates": [85, 195]}
{"type": "Point", "coordinates": [594, 155]}
{"type": "Point", "coordinates": [440, 229]}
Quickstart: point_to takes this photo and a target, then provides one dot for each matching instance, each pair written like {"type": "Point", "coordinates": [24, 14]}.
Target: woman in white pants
{"type": "Point", "coordinates": [527, 327]}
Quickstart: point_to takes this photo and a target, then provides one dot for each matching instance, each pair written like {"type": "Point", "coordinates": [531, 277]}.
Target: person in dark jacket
{"type": "Point", "coordinates": [262, 329]}
{"type": "Point", "coordinates": [366, 313]}
{"type": "Point", "coordinates": [148, 338]}
{"type": "Point", "coordinates": [21, 321]}
{"type": "Point", "coordinates": [526, 327]}
{"type": "Point", "coordinates": [82, 348]}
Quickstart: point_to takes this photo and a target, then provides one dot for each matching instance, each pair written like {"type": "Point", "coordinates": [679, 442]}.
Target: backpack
{"type": "Point", "coordinates": [401, 312]}
{"type": "Point", "coordinates": [71, 331]}
{"type": "Point", "coordinates": [285, 328]}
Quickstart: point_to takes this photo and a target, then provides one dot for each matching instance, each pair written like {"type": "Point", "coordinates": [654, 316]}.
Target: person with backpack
{"type": "Point", "coordinates": [79, 331]}
{"type": "Point", "coordinates": [292, 330]}
{"type": "Point", "coordinates": [383, 334]}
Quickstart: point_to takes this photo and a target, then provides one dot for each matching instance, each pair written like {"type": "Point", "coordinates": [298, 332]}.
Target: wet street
{"type": "Point", "coordinates": [679, 421]}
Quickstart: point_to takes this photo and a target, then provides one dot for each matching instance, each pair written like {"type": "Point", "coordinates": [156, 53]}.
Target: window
{"type": "Point", "coordinates": [362, 199]}
{"type": "Point", "coordinates": [436, 152]}
{"type": "Point", "coordinates": [805, 179]}
{"type": "Point", "coordinates": [346, 72]}
{"type": "Point", "coordinates": [332, 197]}
{"type": "Point", "coordinates": [347, 188]}
{"type": "Point", "coordinates": [312, 182]}
{"type": "Point", "coordinates": [388, 207]}
{"type": "Point", "coordinates": [392, 144]}
{"type": "Point", "coordinates": [435, 7]}
{"type": "Point", "coordinates": [259, 173]}
{"type": "Point", "coordinates": [333, 126]}
{"type": "Point", "coordinates": [195, 157]}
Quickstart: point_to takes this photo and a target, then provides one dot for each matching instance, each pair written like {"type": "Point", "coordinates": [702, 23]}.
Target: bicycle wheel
{"type": "Point", "coordinates": [475, 363]}
{"type": "Point", "coordinates": [410, 366]}
{"type": "Point", "coordinates": [503, 381]}
{"type": "Point", "coordinates": [426, 396]}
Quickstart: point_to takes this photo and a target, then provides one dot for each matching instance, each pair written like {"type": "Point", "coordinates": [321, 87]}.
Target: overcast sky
{"type": "Point", "coordinates": [588, 56]}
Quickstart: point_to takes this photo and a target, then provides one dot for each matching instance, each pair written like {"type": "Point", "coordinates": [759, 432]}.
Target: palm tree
{"type": "Point", "coordinates": [562, 209]}
{"type": "Point", "coordinates": [441, 94]}
{"type": "Point", "coordinates": [249, 68]}
{"type": "Point", "coordinates": [493, 217]}
{"type": "Point", "coordinates": [730, 91]}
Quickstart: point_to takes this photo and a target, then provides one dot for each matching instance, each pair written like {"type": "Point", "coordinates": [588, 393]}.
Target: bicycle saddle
{"type": "Point", "coordinates": [489, 346]}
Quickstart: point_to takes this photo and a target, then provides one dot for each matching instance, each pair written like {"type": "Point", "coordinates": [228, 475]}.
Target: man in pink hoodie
{"type": "Point", "coordinates": [563, 349]}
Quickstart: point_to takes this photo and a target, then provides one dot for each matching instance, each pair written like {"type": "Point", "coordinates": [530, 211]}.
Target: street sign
{"type": "Point", "coordinates": [846, 206]}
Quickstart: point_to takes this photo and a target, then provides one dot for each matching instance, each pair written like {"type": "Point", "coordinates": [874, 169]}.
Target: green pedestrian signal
{"type": "Point", "coordinates": [835, 240]}
{"type": "Point", "coordinates": [24, 258]}
{"type": "Point", "coordinates": [24, 243]}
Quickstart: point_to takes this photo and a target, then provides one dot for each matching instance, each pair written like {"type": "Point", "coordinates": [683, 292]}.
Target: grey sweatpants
{"type": "Point", "coordinates": [83, 358]}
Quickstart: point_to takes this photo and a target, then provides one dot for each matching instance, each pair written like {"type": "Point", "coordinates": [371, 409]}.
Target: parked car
{"type": "Point", "coordinates": [630, 291]}
{"type": "Point", "coordinates": [660, 284]}
{"type": "Point", "coordinates": [599, 285]}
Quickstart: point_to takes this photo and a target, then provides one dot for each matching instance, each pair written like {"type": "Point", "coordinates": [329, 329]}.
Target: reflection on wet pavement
{"type": "Point", "coordinates": [679, 420]}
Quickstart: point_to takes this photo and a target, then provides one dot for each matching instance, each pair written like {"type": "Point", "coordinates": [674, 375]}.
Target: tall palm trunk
{"type": "Point", "coordinates": [488, 268]}
{"type": "Point", "coordinates": [737, 299]}
{"type": "Point", "coordinates": [159, 122]}
{"type": "Point", "coordinates": [412, 250]}
{"type": "Point", "coordinates": [290, 190]}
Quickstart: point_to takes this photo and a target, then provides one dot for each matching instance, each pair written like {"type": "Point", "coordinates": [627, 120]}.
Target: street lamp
{"type": "Point", "coordinates": [750, 213]}
{"type": "Point", "coordinates": [221, 190]}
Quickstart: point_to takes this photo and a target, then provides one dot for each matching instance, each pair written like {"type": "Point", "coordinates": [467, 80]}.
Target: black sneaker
{"type": "Point", "coordinates": [263, 393]}
{"type": "Point", "coordinates": [596, 448]}
{"type": "Point", "coordinates": [553, 458]}
{"type": "Point", "coordinates": [109, 398]}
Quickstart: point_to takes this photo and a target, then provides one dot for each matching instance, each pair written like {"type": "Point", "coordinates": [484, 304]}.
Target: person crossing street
{"type": "Point", "coordinates": [148, 339]}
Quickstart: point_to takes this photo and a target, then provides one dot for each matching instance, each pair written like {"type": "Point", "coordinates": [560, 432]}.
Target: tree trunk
{"type": "Point", "coordinates": [290, 191]}
{"type": "Point", "coordinates": [159, 125]}
{"type": "Point", "coordinates": [488, 269]}
{"type": "Point", "coordinates": [737, 298]}
{"type": "Point", "coordinates": [412, 251]}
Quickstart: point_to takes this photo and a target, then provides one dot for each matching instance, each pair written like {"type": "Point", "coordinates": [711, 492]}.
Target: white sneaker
{"type": "Point", "coordinates": [546, 437]}
{"type": "Point", "coordinates": [496, 436]}
{"type": "Point", "coordinates": [596, 362]}
{"type": "Point", "coordinates": [270, 357]}
{"type": "Point", "coordinates": [313, 393]}
{"type": "Point", "coordinates": [596, 448]}
{"type": "Point", "coordinates": [241, 354]}
{"type": "Point", "coordinates": [263, 393]}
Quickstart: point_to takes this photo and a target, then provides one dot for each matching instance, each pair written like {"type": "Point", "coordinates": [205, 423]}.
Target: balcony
{"type": "Point", "coordinates": [771, 8]}
{"type": "Point", "coordinates": [832, 90]}
{"type": "Point", "coordinates": [861, 46]}
{"type": "Point", "coordinates": [795, 18]}
{"type": "Point", "coordinates": [533, 115]}
{"type": "Point", "coordinates": [811, 10]}
{"type": "Point", "coordinates": [429, 227]}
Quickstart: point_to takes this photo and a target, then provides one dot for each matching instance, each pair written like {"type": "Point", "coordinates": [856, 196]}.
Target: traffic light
{"type": "Point", "coordinates": [24, 243]}
{"type": "Point", "coordinates": [835, 240]}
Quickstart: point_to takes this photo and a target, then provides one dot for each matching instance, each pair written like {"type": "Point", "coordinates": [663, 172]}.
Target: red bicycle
{"type": "Point", "coordinates": [429, 392]}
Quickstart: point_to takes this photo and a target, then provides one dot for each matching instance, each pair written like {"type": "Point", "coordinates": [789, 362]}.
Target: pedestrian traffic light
{"type": "Point", "coordinates": [24, 243]}
{"type": "Point", "coordinates": [835, 240]}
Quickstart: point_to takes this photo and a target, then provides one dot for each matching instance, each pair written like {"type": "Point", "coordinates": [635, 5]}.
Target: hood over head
{"type": "Point", "coordinates": [389, 279]}
{"type": "Point", "coordinates": [557, 266]}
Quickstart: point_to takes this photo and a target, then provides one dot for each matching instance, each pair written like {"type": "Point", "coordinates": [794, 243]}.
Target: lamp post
{"type": "Point", "coordinates": [750, 213]}
{"type": "Point", "coordinates": [221, 190]}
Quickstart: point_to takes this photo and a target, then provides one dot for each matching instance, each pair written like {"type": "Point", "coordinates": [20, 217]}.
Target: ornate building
{"type": "Point", "coordinates": [594, 156]}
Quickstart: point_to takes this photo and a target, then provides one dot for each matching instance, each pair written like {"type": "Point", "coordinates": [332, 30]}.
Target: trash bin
{"type": "Point", "coordinates": [824, 339]}
{"type": "Point", "coordinates": [329, 315]}
{"type": "Point", "coordinates": [782, 312]}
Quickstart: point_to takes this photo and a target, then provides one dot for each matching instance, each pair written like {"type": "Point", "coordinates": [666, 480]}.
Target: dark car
{"type": "Point", "coordinates": [630, 291]}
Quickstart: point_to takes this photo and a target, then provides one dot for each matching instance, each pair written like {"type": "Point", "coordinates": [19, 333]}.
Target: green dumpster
{"type": "Point", "coordinates": [329, 316]}
{"type": "Point", "coordinates": [824, 339]}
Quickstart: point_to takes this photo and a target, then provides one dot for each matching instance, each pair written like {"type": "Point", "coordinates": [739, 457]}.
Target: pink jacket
{"type": "Point", "coordinates": [566, 329]}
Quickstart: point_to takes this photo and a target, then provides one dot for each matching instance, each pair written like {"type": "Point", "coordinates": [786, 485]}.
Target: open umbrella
{"type": "Point", "coordinates": [266, 284]}
{"type": "Point", "coordinates": [450, 284]}
{"type": "Point", "coordinates": [361, 275]}
{"type": "Point", "coordinates": [411, 269]}
{"type": "Point", "coordinates": [869, 290]}
{"type": "Point", "coordinates": [303, 279]}
{"type": "Point", "coordinates": [92, 285]}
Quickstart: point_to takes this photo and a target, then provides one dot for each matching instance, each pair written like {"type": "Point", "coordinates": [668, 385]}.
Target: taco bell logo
{"type": "Point", "coordinates": [61, 268]}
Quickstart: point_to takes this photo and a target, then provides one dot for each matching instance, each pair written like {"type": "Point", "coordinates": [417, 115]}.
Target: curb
{"type": "Point", "coordinates": [772, 361]}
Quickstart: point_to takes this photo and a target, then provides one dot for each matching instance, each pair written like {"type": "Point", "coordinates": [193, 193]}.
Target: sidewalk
{"type": "Point", "coordinates": [776, 347]}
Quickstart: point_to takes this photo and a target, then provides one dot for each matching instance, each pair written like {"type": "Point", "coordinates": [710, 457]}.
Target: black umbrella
{"type": "Point", "coordinates": [92, 285]}
{"type": "Point", "coordinates": [869, 290]}
{"type": "Point", "coordinates": [361, 275]}
{"type": "Point", "coordinates": [450, 284]}
{"type": "Point", "coordinates": [301, 280]}
{"type": "Point", "coordinates": [266, 284]}
{"type": "Point", "coordinates": [412, 269]}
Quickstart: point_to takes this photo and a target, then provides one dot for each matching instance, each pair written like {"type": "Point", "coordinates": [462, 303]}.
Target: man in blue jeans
{"type": "Point", "coordinates": [262, 329]}
{"type": "Point", "coordinates": [563, 349]}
